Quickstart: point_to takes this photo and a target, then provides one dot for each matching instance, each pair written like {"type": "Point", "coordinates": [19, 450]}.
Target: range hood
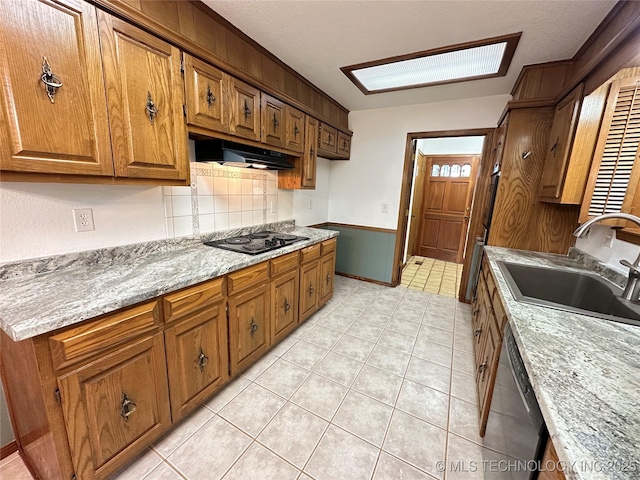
{"type": "Point", "coordinates": [237, 155]}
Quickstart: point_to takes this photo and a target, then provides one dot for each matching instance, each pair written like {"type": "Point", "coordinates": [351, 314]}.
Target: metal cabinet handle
{"type": "Point", "coordinates": [275, 121]}
{"type": "Point", "coordinates": [247, 110]}
{"type": "Point", "coordinates": [311, 289]}
{"type": "Point", "coordinates": [254, 327]}
{"type": "Point", "coordinates": [210, 97]}
{"type": "Point", "coordinates": [202, 360]}
{"type": "Point", "coordinates": [296, 130]}
{"type": "Point", "coordinates": [475, 312]}
{"type": "Point", "coordinates": [127, 407]}
{"type": "Point", "coordinates": [328, 279]}
{"type": "Point", "coordinates": [477, 332]}
{"type": "Point", "coordinates": [52, 83]}
{"type": "Point", "coordinates": [555, 146]}
{"type": "Point", "coordinates": [152, 109]}
{"type": "Point", "coordinates": [330, 140]}
{"type": "Point", "coordinates": [311, 152]}
{"type": "Point", "coordinates": [483, 369]}
{"type": "Point", "coordinates": [344, 144]}
{"type": "Point", "coordinates": [287, 307]}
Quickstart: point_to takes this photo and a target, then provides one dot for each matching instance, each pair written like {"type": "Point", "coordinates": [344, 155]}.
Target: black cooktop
{"type": "Point", "coordinates": [256, 243]}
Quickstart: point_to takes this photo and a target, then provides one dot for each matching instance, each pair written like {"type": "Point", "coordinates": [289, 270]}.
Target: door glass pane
{"type": "Point", "coordinates": [455, 170]}
{"type": "Point", "coordinates": [466, 170]}
{"type": "Point", "coordinates": [435, 170]}
{"type": "Point", "coordinates": [446, 171]}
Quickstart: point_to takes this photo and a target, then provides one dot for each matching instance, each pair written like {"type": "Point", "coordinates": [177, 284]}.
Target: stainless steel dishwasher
{"type": "Point", "coordinates": [515, 426]}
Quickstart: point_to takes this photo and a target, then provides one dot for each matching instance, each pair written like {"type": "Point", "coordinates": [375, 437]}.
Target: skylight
{"type": "Point", "coordinates": [457, 63]}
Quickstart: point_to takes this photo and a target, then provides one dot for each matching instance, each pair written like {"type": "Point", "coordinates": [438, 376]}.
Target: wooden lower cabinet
{"type": "Point", "coordinates": [325, 281]}
{"type": "Point", "coordinates": [550, 464]}
{"type": "Point", "coordinates": [308, 289]}
{"type": "Point", "coordinates": [197, 358]}
{"type": "Point", "coordinates": [249, 326]}
{"type": "Point", "coordinates": [284, 304]}
{"type": "Point", "coordinates": [115, 406]}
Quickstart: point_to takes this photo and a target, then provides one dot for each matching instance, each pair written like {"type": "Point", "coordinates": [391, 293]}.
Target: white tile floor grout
{"type": "Point", "coordinates": [379, 387]}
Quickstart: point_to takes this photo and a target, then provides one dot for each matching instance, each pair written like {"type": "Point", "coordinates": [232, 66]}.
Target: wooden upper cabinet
{"type": "Point", "coordinates": [344, 145]}
{"type": "Point", "coordinates": [115, 406]}
{"type": "Point", "coordinates": [273, 121]}
{"type": "Point", "coordinates": [206, 89]}
{"type": "Point", "coordinates": [563, 131]}
{"type": "Point", "coordinates": [53, 109]}
{"type": "Point", "coordinates": [244, 100]}
{"type": "Point", "coordinates": [328, 139]}
{"type": "Point", "coordinates": [295, 129]}
{"type": "Point", "coordinates": [303, 176]}
{"type": "Point", "coordinates": [145, 102]}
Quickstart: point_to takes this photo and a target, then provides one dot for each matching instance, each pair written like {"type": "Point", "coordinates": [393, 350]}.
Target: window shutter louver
{"type": "Point", "coordinates": [619, 152]}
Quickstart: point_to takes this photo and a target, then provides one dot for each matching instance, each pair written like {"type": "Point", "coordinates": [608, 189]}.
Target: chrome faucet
{"type": "Point", "coordinates": [632, 289]}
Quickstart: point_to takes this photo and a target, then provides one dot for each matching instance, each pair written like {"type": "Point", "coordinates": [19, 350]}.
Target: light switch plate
{"type": "Point", "coordinates": [83, 218]}
{"type": "Point", "coordinates": [385, 208]}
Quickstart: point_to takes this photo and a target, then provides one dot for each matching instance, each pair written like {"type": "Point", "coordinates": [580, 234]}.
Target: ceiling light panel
{"type": "Point", "coordinates": [471, 61]}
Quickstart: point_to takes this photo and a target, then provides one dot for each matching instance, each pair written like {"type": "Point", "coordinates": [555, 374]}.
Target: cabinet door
{"type": "Point", "coordinates": [295, 132]}
{"type": "Point", "coordinates": [284, 302]}
{"type": "Point", "coordinates": [244, 118]}
{"type": "Point", "coordinates": [328, 138]}
{"type": "Point", "coordinates": [60, 130]}
{"type": "Point", "coordinates": [486, 371]}
{"type": "Point", "coordinates": [114, 407]}
{"type": "Point", "coordinates": [344, 145]}
{"type": "Point", "coordinates": [273, 126]}
{"type": "Point", "coordinates": [206, 89]}
{"type": "Point", "coordinates": [196, 358]}
{"type": "Point", "coordinates": [563, 130]}
{"type": "Point", "coordinates": [497, 152]}
{"type": "Point", "coordinates": [145, 101]}
{"type": "Point", "coordinates": [308, 289]}
{"type": "Point", "coordinates": [325, 282]}
{"type": "Point", "coordinates": [310, 155]}
{"type": "Point", "coordinates": [249, 326]}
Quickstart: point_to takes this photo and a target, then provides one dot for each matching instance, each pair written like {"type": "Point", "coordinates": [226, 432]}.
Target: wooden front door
{"type": "Point", "coordinates": [446, 206]}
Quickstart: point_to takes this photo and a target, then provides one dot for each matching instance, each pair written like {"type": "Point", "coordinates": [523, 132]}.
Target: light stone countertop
{"type": "Point", "coordinates": [585, 373]}
{"type": "Point", "coordinates": [70, 291]}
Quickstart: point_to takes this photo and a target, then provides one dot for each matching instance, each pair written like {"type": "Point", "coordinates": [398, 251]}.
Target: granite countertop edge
{"type": "Point", "coordinates": [582, 432]}
{"type": "Point", "coordinates": [39, 304]}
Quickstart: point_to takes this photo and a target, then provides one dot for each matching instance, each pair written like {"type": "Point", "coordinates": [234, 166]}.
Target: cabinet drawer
{"type": "Point", "coordinates": [238, 281]}
{"type": "Point", "coordinates": [491, 285]}
{"type": "Point", "coordinates": [310, 253]}
{"type": "Point", "coordinates": [95, 337]}
{"type": "Point", "coordinates": [193, 298]}
{"type": "Point", "coordinates": [327, 246]}
{"type": "Point", "coordinates": [284, 263]}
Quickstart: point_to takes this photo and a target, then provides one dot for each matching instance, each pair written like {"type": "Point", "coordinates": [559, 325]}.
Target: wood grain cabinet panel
{"type": "Point", "coordinates": [563, 131]}
{"type": "Point", "coordinates": [145, 102]}
{"type": "Point", "coordinates": [295, 129]}
{"type": "Point", "coordinates": [114, 407]}
{"type": "Point", "coordinates": [244, 113]}
{"type": "Point", "coordinates": [66, 132]}
{"type": "Point", "coordinates": [247, 277]}
{"type": "Point", "coordinates": [284, 302]}
{"type": "Point", "coordinates": [249, 326]}
{"type": "Point", "coordinates": [326, 275]}
{"type": "Point", "coordinates": [273, 121]}
{"type": "Point", "coordinates": [551, 469]}
{"type": "Point", "coordinates": [328, 140]}
{"type": "Point", "coordinates": [191, 299]}
{"type": "Point", "coordinates": [284, 263]}
{"type": "Point", "coordinates": [197, 358]}
{"type": "Point", "coordinates": [303, 176]}
{"type": "Point", "coordinates": [309, 293]}
{"type": "Point", "coordinates": [207, 95]}
{"type": "Point", "coordinates": [343, 147]}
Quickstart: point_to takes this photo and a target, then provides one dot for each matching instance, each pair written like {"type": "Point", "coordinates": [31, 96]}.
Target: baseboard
{"type": "Point", "coordinates": [370, 280]}
{"type": "Point", "coordinates": [8, 449]}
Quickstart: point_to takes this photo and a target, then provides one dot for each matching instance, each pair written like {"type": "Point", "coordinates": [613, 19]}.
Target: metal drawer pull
{"type": "Point", "coordinates": [328, 279]}
{"type": "Point", "coordinates": [296, 131]}
{"type": "Point", "coordinates": [152, 109]}
{"type": "Point", "coordinates": [311, 152]}
{"type": "Point", "coordinates": [127, 408]}
{"type": "Point", "coordinates": [275, 121]}
{"type": "Point", "coordinates": [286, 305]}
{"type": "Point", "coordinates": [52, 82]}
{"type": "Point", "coordinates": [210, 97]}
{"type": "Point", "coordinates": [254, 327]}
{"type": "Point", "coordinates": [202, 360]}
{"type": "Point", "coordinates": [247, 110]}
{"type": "Point", "coordinates": [555, 147]}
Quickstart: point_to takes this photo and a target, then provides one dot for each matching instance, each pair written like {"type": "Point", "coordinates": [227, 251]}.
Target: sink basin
{"type": "Point", "coordinates": [578, 292]}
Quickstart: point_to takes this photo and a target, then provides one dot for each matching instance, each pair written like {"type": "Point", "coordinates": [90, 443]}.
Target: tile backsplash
{"type": "Point", "coordinates": [219, 198]}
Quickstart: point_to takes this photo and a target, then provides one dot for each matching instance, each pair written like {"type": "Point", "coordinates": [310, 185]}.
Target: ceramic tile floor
{"type": "Point", "coordinates": [376, 385]}
{"type": "Point", "coordinates": [432, 276]}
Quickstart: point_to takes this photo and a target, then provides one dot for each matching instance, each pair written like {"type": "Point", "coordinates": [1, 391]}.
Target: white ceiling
{"type": "Point", "coordinates": [317, 37]}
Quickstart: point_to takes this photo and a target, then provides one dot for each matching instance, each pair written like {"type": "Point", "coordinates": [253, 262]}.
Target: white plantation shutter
{"type": "Point", "coordinates": [618, 151]}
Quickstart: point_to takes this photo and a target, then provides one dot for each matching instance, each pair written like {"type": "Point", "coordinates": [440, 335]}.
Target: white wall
{"type": "Point", "coordinates": [319, 198]}
{"type": "Point", "coordinates": [373, 176]}
{"type": "Point", "coordinates": [595, 245]}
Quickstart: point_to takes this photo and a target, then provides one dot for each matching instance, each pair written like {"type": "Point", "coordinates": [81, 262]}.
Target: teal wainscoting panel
{"type": "Point", "coordinates": [364, 253]}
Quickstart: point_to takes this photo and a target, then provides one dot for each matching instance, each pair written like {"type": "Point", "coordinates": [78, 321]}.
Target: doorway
{"type": "Point", "coordinates": [435, 210]}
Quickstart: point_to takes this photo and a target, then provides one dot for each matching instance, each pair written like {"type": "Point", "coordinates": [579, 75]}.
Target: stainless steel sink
{"type": "Point", "coordinates": [578, 292]}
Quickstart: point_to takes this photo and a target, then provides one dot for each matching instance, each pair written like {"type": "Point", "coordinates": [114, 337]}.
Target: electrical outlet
{"type": "Point", "coordinates": [310, 204]}
{"type": "Point", "coordinates": [385, 208]}
{"type": "Point", "coordinates": [83, 218]}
